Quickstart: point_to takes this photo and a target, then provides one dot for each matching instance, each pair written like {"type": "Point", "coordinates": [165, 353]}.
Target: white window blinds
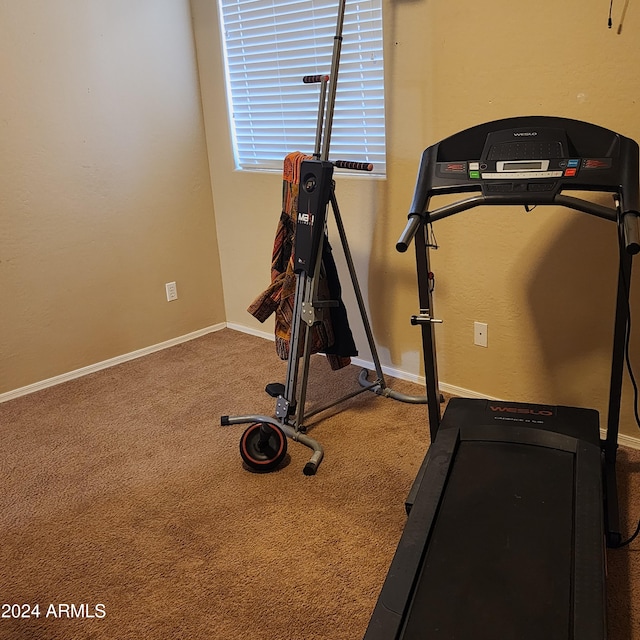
{"type": "Point", "coordinates": [269, 46]}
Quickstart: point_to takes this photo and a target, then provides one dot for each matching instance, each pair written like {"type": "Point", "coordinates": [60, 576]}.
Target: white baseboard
{"type": "Point", "coordinates": [412, 377]}
{"type": "Point", "coordinates": [252, 332]}
{"type": "Point", "coordinates": [366, 364]}
{"type": "Point", "coordinates": [105, 364]}
{"type": "Point", "coordinates": [623, 440]}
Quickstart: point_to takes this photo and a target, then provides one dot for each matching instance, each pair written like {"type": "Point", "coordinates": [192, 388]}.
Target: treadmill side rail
{"type": "Point", "coordinates": [389, 613]}
{"type": "Point", "coordinates": [589, 593]}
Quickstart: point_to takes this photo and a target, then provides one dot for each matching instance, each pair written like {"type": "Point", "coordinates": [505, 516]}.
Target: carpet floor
{"type": "Point", "coordinates": [126, 512]}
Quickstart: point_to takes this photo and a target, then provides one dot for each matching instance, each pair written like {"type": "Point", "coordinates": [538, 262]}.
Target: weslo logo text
{"type": "Point", "coordinates": [522, 410]}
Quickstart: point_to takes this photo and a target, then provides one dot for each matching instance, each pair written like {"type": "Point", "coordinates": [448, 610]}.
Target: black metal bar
{"type": "Point", "coordinates": [619, 342]}
{"type": "Point", "coordinates": [414, 223]}
{"type": "Point", "coordinates": [428, 334]}
{"type": "Point", "coordinates": [613, 535]}
{"type": "Point", "coordinates": [612, 515]}
{"type": "Point", "coordinates": [457, 207]}
{"type": "Point", "coordinates": [593, 208]}
{"type": "Point", "coordinates": [598, 210]}
{"type": "Point", "coordinates": [631, 224]}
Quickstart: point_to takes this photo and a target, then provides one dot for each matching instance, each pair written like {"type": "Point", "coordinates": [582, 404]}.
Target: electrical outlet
{"type": "Point", "coordinates": [480, 331]}
{"type": "Point", "coordinates": [172, 291]}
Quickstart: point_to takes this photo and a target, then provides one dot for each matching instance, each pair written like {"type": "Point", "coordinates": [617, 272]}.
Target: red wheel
{"type": "Point", "coordinates": [263, 446]}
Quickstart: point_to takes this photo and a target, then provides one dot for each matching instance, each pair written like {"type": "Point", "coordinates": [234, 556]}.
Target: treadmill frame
{"type": "Point", "coordinates": [589, 607]}
{"type": "Point", "coordinates": [625, 213]}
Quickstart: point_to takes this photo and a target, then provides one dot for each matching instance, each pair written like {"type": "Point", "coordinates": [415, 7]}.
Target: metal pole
{"type": "Point", "coordinates": [428, 335]}
{"type": "Point", "coordinates": [321, 106]}
{"type": "Point", "coordinates": [310, 298]}
{"type": "Point", "coordinates": [333, 80]}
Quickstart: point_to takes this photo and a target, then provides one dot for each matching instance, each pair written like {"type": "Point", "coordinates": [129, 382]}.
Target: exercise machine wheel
{"type": "Point", "coordinates": [263, 446]}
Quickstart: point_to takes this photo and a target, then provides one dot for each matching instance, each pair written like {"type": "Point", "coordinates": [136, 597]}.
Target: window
{"type": "Point", "coordinates": [269, 46]}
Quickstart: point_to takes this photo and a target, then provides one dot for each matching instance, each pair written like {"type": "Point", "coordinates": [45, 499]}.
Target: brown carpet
{"type": "Point", "coordinates": [124, 497]}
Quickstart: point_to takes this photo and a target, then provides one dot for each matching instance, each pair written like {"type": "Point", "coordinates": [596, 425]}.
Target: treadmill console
{"type": "Point", "coordinates": [536, 160]}
{"type": "Point", "coordinates": [534, 155]}
{"type": "Point", "coordinates": [532, 160]}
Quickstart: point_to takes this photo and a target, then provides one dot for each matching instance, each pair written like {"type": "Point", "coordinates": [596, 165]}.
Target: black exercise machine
{"type": "Point", "coordinates": [514, 503]}
{"type": "Point", "coordinates": [263, 445]}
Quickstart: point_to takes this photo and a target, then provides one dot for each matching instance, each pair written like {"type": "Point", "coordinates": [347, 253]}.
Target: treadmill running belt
{"type": "Point", "coordinates": [499, 562]}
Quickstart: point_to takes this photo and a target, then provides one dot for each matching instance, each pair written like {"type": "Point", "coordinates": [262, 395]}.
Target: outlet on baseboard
{"type": "Point", "coordinates": [172, 291]}
{"type": "Point", "coordinates": [480, 337]}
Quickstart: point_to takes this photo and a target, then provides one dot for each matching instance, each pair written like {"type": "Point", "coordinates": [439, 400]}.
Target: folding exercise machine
{"type": "Point", "coordinates": [514, 503]}
{"type": "Point", "coordinates": [263, 445]}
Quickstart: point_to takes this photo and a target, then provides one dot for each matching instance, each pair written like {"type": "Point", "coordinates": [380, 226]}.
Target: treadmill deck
{"type": "Point", "coordinates": [509, 499]}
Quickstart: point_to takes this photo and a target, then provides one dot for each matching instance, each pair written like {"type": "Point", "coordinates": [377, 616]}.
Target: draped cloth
{"type": "Point", "coordinates": [332, 334]}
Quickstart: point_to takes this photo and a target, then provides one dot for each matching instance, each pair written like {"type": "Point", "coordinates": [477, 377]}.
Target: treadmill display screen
{"type": "Point", "coordinates": [514, 165]}
{"type": "Point", "coordinates": [519, 166]}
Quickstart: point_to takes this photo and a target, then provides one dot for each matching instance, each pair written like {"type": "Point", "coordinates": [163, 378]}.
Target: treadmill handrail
{"type": "Point", "coordinates": [630, 219]}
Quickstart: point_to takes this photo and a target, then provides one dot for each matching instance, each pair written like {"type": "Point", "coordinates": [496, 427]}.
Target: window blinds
{"type": "Point", "coordinates": [269, 46]}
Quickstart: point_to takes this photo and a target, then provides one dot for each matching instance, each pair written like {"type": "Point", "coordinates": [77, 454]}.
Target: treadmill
{"type": "Point", "coordinates": [515, 503]}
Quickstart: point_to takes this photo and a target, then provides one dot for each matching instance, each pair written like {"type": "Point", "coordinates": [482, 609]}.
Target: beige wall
{"type": "Point", "coordinates": [104, 184]}
{"type": "Point", "coordinates": [105, 191]}
{"type": "Point", "coordinates": [545, 281]}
